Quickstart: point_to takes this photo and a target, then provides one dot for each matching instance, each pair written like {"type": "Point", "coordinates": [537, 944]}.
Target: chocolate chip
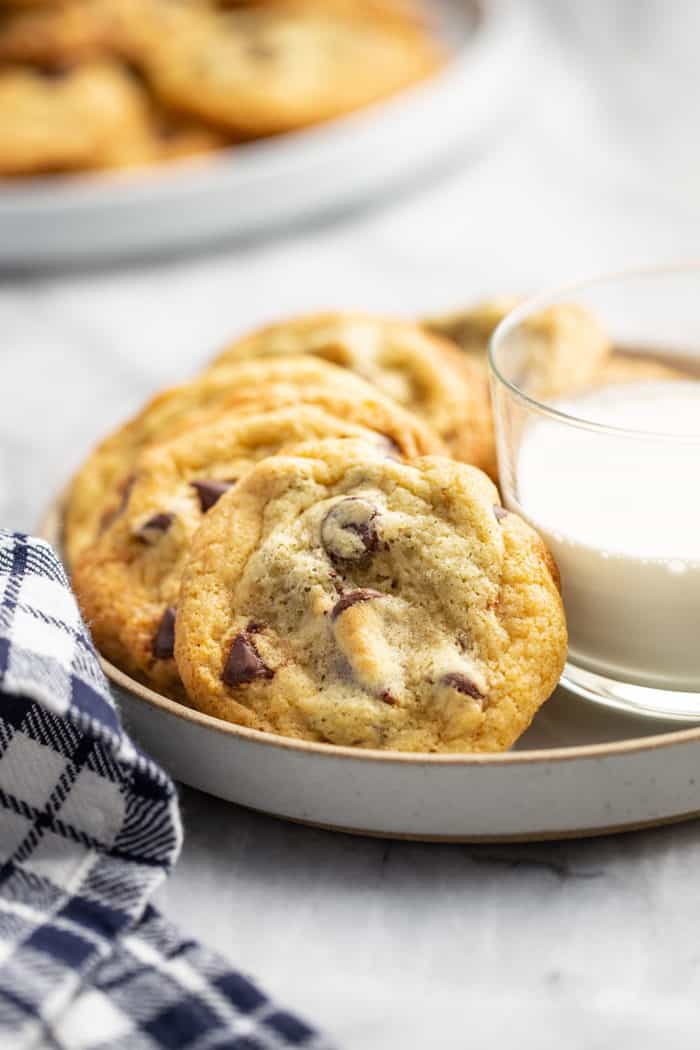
{"type": "Point", "coordinates": [336, 581]}
{"type": "Point", "coordinates": [388, 698]}
{"type": "Point", "coordinates": [463, 684]}
{"type": "Point", "coordinates": [243, 663]}
{"type": "Point", "coordinates": [348, 531]}
{"type": "Point", "coordinates": [150, 530]}
{"type": "Point", "coordinates": [210, 492]}
{"type": "Point", "coordinates": [164, 641]}
{"type": "Point", "coordinates": [362, 594]}
{"type": "Point", "coordinates": [55, 70]}
{"type": "Point", "coordinates": [499, 513]}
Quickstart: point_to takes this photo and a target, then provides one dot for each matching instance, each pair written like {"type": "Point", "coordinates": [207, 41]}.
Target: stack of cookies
{"type": "Point", "coordinates": [304, 539]}
{"type": "Point", "coordinates": [97, 84]}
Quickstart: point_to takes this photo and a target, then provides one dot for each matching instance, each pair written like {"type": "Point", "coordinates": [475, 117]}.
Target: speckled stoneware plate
{"type": "Point", "coordinates": [269, 184]}
{"type": "Point", "coordinates": [580, 770]}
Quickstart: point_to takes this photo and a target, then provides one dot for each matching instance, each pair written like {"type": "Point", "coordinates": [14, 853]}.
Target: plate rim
{"type": "Point", "coordinates": [49, 529]}
{"type": "Point", "coordinates": [531, 757]}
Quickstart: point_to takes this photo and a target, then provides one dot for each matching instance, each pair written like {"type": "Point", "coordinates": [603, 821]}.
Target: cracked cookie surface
{"type": "Point", "coordinates": [425, 374]}
{"type": "Point", "coordinates": [128, 582]}
{"type": "Point", "coordinates": [335, 595]}
{"type": "Point", "coordinates": [101, 484]}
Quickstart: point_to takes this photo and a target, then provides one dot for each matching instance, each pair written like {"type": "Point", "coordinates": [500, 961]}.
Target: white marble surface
{"type": "Point", "coordinates": [396, 945]}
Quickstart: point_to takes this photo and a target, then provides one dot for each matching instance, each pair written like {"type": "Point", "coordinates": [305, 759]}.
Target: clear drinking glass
{"type": "Point", "coordinates": [602, 455]}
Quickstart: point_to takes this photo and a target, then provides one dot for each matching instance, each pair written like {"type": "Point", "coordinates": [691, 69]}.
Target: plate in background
{"type": "Point", "coordinates": [267, 184]}
{"type": "Point", "coordinates": [580, 770]}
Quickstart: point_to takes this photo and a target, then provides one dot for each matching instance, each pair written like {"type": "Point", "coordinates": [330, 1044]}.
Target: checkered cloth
{"type": "Point", "coordinates": [89, 826]}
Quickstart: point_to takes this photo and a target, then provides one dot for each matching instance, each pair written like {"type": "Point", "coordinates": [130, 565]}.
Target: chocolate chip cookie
{"type": "Point", "coordinates": [559, 349]}
{"type": "Point", "coordinates": [59, 34]}
{"type": "Point", "coordinates": [270, 68]}
{"type": "Point", "coordinates": [336, 595]}
{"type": "Point", "coordinates": [422, 372]}
{"type": "Point", "coordinates": [472, 329]}
{"type": "Point", "coordinates": [128, 581]}
{"type": "Point", "coordinates": [100, 487]}
{"type": "Point", "coordinates": [93, 116]}
{"type": "Point", "coordinates": [631, 368]}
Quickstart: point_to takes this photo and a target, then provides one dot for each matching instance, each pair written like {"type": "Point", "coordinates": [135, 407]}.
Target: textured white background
{"type": "Point", "coordinates": [393, 945]}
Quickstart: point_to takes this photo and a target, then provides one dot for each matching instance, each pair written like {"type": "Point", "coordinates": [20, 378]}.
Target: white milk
{"type": "Point", "coordinates": [622, 517]}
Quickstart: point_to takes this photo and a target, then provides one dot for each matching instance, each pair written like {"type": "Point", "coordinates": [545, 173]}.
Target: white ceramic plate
{"type": "Point", "coordinates": [581, 769]}
{"type": "Point", "coordinates": [268, 184]}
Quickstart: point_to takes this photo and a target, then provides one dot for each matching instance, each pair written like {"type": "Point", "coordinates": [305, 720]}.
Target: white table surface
{"type": "Point", "coordinates": [398, 945]}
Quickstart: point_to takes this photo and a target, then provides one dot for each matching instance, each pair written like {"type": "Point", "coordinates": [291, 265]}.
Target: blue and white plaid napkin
{"type": "Point", "coordinates": [89, 826]}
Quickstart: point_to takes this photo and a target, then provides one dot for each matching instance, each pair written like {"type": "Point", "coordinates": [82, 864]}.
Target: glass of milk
{"type": "Point", "coordinates": [605, 463]}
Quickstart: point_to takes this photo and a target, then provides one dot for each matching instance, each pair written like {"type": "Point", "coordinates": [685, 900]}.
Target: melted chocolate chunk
{"type": "Point", "coordinates": [499, 513]}
{"type": "Point", "coordinates": [388, 698]}
{"type": "Point", "coordinates": [463, 684]}
{"type": "Point", "coordinates": [337, 581]}
{"type": "Point", "coordinates": [362, 594]}
{"type": "Point", "coordinates": [164, 641]}
{"type": "Point", "coordinates": [210, 492]}
{"type": "Point", "coordinates": [149, 531]}
{"type": "Point", "coordinates": [348, 531]}
{"type": "Point", "coordinates": [243, 663]}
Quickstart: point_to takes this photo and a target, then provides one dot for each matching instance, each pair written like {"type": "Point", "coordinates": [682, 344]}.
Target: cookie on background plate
{"type": "Point", "coordinates": [100, 486]}
{"type": "Point", "coordinates": [630, 368]}
{"type": "Point", "coordinates": [560, 348]}
{"type": "Point", "coordinates": [58, 34]}
{"type": "Point", "coordinates": [422, 372]}
{"type": "Point", "coordinates": [269, 68]}
{"type": "Point", "coordinates": [128, 582]}
{"type": "Point", "coordinates": [471, 329]}
{"type": "Point", "coordinates": [403, 11]}
{"type": "Point", "coordinates": [87, 117]}
{"type": "Point", "coordinates": [336, 595]}
{"type": "Point", "coordinates": [90, 117]}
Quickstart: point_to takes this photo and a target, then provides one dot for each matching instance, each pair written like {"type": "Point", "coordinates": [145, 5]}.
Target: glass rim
{"type": "Point", "coordinates": [547, 298]}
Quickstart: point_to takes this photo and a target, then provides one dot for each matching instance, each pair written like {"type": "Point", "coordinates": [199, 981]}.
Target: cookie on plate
{"type": "Point", "coordinates": [336, 595]}
{"type": "Point", "coordinates": [86, 117]}
{"type": "Point", "coordinates": [559, 348]}
{"type": "Point", "coordinates": [472, 329]}
{"type": "Point", "coordinates": [89, 117]}
{"type": "Point", "coordinates": [629, 368]}
{"type": "Point", "coordinates": [422, 372]}
{"type": "Point", "coordinates": [128, 582]}
{"type": "Point", "coordinates": [98, 489]}
{"type": "Point", "coordinates": [62, 33]}
{"type": "Point", "coordinates": [269, 68]}
{"type": "Point", "coordinates": [56, 34]}
{"type": "Point", "coordinates": [402, 11]}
